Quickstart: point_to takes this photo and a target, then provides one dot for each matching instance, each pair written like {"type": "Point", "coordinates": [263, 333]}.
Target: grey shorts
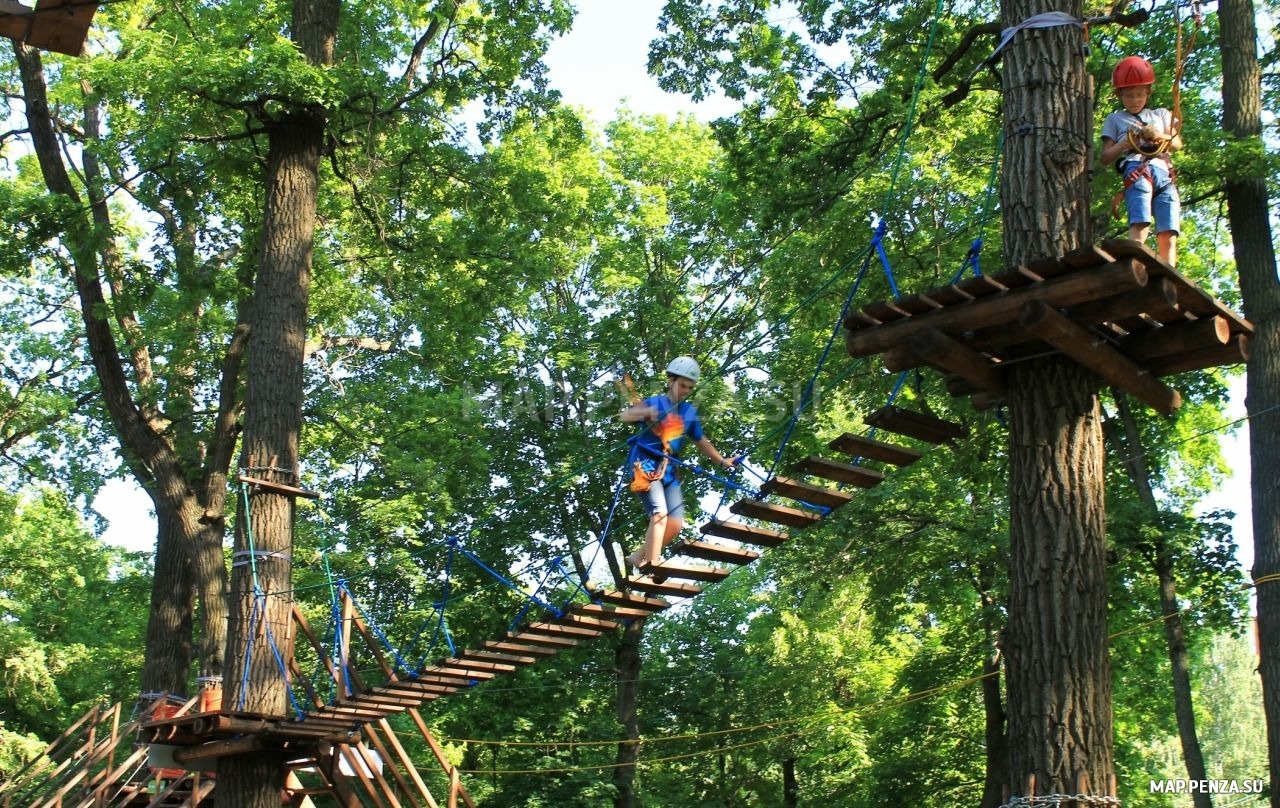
{"type": "Point", "coordinates": [663, 499]}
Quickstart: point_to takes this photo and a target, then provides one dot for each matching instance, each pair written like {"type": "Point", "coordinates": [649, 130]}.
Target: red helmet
{"type": "Point", "coordinates": [1133, 71]}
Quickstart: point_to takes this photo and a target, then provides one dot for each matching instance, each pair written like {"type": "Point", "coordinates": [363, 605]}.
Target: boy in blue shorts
{"type": "Point", "coordinates": [668, 420]}
{"type": "Point", "coordinates": [1138, 140]}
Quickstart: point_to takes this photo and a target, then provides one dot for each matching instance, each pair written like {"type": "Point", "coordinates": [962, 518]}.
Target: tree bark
{"type": "Point", "coordinates": [262, 564]}
{"type": "Point", "coordinates": [166, 667]}
{"type": "Point", "coordinates": [627, 659]}
{"type": "Point", "coordinates": [993, 709]}
{"type": "Point", "coordinates": [1248, 210]}
{"type": "Point", "coordinates": [1059, 674]}
{"type": "Point", "coordinates": [1058, 671]}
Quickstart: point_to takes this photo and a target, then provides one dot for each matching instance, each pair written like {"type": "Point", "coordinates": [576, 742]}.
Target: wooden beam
{"type": "Point", "coordinates": [1117, 370]}
{"type": "Point", "coordinates": [950, 355]}
{"type": "Point", "coordinates": [778, 514]}
{"type": "Point", "coordinates": [818, 495]}
{"type": "Point", "coordinates": [740, 531]}
{"type": "Point", "coordinates": [278, 488]}
{"type": "Point", "coordinates": [1068, 290]}
{"type": "Point", "coordinates": [1159, 298]}
{"type": "Point", "coordinates": [918, 425]}
{"type": "Point", "coordinates": [1190, 296]}
{"type": "Point", "coordinates": [216, 749]}
{"type": "Point", "coordinates": [1190, 335]}
{"type": "Point", "coordinates": [671, 568]}
{"type": "Point", "coordinates": [1235, 352]}
{"type": "Point", "coordinates": [719, 553]}
{"type": "Point", "coordinates": [61, 26]}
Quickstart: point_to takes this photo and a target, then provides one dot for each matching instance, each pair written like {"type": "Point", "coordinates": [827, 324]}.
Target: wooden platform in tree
{"type": "Point", "coordinates": [60, 26]}
{"type": "Point", "coordinates": [1114, 308]}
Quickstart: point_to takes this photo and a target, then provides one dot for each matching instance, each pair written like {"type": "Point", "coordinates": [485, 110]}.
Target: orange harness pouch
{"type": "Point", "coordinates": [642, 477]}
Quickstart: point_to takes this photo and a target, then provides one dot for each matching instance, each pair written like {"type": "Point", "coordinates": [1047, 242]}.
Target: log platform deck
{"type": "Point", "coordinates": [1114, 308]}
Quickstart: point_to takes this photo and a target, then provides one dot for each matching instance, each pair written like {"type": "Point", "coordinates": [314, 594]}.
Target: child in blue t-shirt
{"type": "Point", "coordinates": [668, 420]}
{"type": "Point", "coordinates": [1138, 139]}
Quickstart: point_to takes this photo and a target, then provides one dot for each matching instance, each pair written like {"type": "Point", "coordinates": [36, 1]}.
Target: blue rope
{"type": "Point", "coordinates": [376, 629]}
{"type": "Point", "coordinates": [807, 397]}
{"type": "Point", "coordinates": [877, 243]}
{"type": "Point", "coordinates": [298, 712]}
{"type": "Point", "coordinates": [497, 576]}
{"type": "Point", "coordinates": [533, 598]}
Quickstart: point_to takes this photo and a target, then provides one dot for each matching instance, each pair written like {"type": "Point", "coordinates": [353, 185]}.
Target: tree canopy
{"type": "Point", "coordinates": [486, 264]}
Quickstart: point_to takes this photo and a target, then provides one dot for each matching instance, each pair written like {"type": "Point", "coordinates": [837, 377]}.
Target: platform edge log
{"type": "Point", "coordinates": [1114, 368]}
{"type": "Point", "coordinates": [1190, 296]}
{"type": "Point", "coordinates": [1235, 352]}
{"type": "Point", "coordinates": [1171, 340]}
{"type": "Point", "coordinates": [1159, 298]}
{"type": "Point", "coordinates": [1068, 290]}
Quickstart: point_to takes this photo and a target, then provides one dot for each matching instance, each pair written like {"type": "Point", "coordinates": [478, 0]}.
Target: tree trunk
{"type": "Point", "coordinates": [1183, 704]}
{"type": "Point", "coordinates": [261, 574]}
{"type": "Point", "coordinates": [994, 718]}
{"type": "Point", "coordinates": [1247, 211]}
{"type": "Point", "coordinates": [790, 784]}
{"type": "Point", "coordinates": [1059, 675]}
{"type": "Point", "coordinates": [628, 661]}
{"type": "Point", "coordinates": [166, 668]}
{"type": "Point", "coordinates": [1058, 671]}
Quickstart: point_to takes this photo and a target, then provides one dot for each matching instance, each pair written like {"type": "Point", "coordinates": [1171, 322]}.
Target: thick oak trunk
{"type": "Point", "coordinates": [261, 578]}
{"type": "Point", "coordinates": [1059, 674]}
{"type": "Point", "coordinates": [1057, 669]}
{"type": "Point", "coordinates": [188, 544]}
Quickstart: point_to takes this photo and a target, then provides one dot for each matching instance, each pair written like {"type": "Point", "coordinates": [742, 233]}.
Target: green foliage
{"type": "Point", "coordinates": [473, 302]}
{"type": "Point", "coordinates": [74, 612]}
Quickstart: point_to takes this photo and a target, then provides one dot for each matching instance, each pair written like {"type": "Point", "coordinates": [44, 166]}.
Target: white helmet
{"type": "Point", "coordinates": [684, 366]}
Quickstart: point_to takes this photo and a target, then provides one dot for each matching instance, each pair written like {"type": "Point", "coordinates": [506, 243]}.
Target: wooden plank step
{"type": "Point", "coordinates": [556, 641]}
{"type": "Point", "coordinates": [557, 629]}
{"type": "Point", "coordinates": [864, 447]}
{"type": "Point", "coordinates": [840, 472]}
{"type": "Point", "coordinates": [671, 568]}
{"type": "Point", "coordinates": [482, 666]}
{"type": "Point", "coordinates": [632, 601]}
{"type": "Point", "coordinates": [355, 710]}
{"type": "Point", "coordinates": [715, 552]}
{"type": "Point", "coordinates": [613, 612]}
{"type": "Point", "coordinates": [404, 698]}
{"type": "Point", "coordinates": [466, 677]}
{"type": "Point", "coordinates": [749, 534]}
{"type": "Point", "coordinates": [586, 622]}
{"type": "Point", "coordinates": [918, 425]}
{"type": "Point", "coordinates": [471, 655]}
{"type": "Point", "coordinates": [520, 648]}
{"type": "Point", "coordinates": [805, 492]}
{"type": "Point", "coordinates": [778, 514]}
{"type": "Point", "coordinates": [677, 589]}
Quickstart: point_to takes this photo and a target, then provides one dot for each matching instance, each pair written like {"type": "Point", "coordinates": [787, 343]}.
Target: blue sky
{"type": "Point", "coordinates": [601, 63]}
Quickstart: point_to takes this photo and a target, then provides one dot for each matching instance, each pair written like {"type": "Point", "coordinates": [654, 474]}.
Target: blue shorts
{"type": "Point", "coordinates": [663, 499]}
{"type": "Point", "coordinates": [1143, 200]}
